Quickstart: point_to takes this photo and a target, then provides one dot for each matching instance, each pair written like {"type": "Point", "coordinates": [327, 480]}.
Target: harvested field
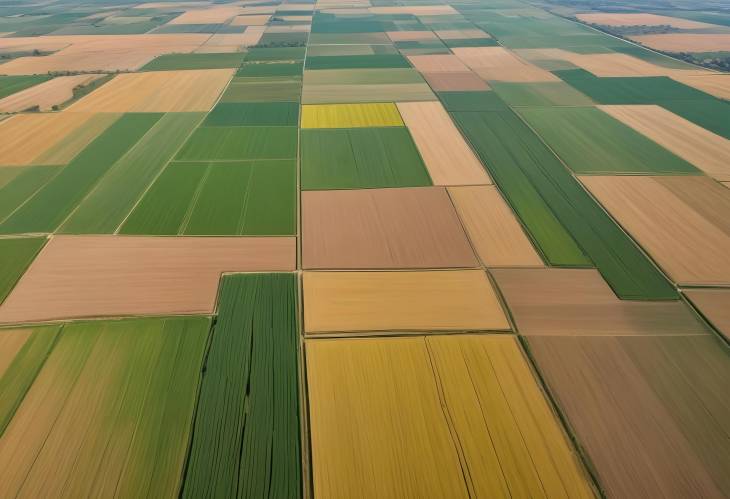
{"type": "Point", "coordinates": [551, 93]}
{"type": "Point", "coordinates": [360, 158]}
{"type": "Point", "coordinates": [157, 91]}
{"type": "Point", "coordinates": [391, 301]}
{"type": "Point", "coordinates": [494, 231]}
{"type": "Point", "coordinates": [714, 305]}
{"type": "Point", "coordinates": [410, 36]}
{"type": "Point", "coordinates": [416, 10]}
{"type": "Point", "coordinates": [16, 255]}
{"type": "Point", "coordinates": [621, 19]}
{"type": "Point", "coordinates": [705, 150]}
{"type": "Point", "coordinates": [12, 84]}
{"type": "Point", "coordinates": [92, 276]}
{"type": "Point", "coordinates": [499, 64]}
{"type": "Point", "coordinates": [590, 141]}
{"type": "Point", "coordinates": [351, 115]}
{"type": "Point", "coordinates": [27, 137]}
{"type": "Point", "coordinates": [46, 95]}
{"type": "Point", "coordinates": [578, 302]}
{"type": "Point", "coordinates": [711, 114]}
{"type": "Point", "coordinates": [438, 63]}
{"type": "Point", "coordinates": [555, 208]}
{"type": "Point", "coordinates": [461, 34]}
{"type": "Point", "coordinates": [111, 200]}
{"type": "Point", "coordinates": [50, 206]}
{"type": "Point", "coordinates": [714, 84]}
{"type": "Point", "coordinates": [455, 81]}
{"type": "Point", "coordinates": [689, 244]}
{"type": "Point", "coordinates": [22, 354]}
{"type": "Point", "coordinates": [232, 42]}
{"type": "Point", "coordinates": [251, 368]}
{"type": "Point", "coordinates": [682, 42]}
{"type": "Point", "coordinates": [236, 143]}
{"type": "Point", "coordinates": [447, 157]}
{"type": "Point", "coordinates": [208, 15]}
{"type": "Point", "coordinates": [228, 198]}
{"type": "Point", "coordinates": [67, 148]}
{"type": "Point", "coordinates": [649, 418]}
{"type": "Point", "coordinates": [109, 412]}
{"type": "Point", "coordinates": [381, 229]}
{"type": "Point", "coordinates": [417, 426]}
{"type": "Point", "coordinates": [255, 20]}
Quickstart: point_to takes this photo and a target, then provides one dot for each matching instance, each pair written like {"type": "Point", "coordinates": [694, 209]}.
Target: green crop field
{"type": "Point", "coordinates": [171, 62]}
{"type": "Point", "coordinates": [357, 61]}
{"type": "Point", "coordinates": [265, 69]}
{"type": "Point", "coordinates": [230, 143]}
{"type": "Point", "coordinates": [256, 113]}
{"type": "Point", "coordinates": [12, 84]}
{"type": "Point", "coordinates": [272, 89]}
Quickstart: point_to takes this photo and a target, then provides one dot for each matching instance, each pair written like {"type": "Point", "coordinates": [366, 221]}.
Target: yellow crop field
{"type": "Point", "coordinates": [157, 91]}
{"type": "Point", "coordinates": [350, 115]}
{"type": "Point", "coordinates": [441, 416]}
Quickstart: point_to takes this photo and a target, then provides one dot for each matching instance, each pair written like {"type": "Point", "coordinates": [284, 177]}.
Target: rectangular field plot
{"type": "Point", "coordinates": [649, 419]}
{"type": "Point", "coordinates": [267, 69]}
{"type": "Point", "coordinates": [714, 305]}
{"type": "Point", "coordinates": [710, 114]}
{"type": "Point", "coordinates": [111, 200]}
{"type": "Point", "coordinates": [24, 182]}
{"type": "Point", "coordinates": [176, 62]}
{"type": "Point", "coordinates": [569, 227]}
{"type": "Point", "coordinates": [272, 89]}
{"type": "Point", "coordinates": [53, 202]}
{"type": "Point", "coordinates": [13, 84]}
{"type": "Point", "coordinates": [421, 414]}
{"type": "Point", "coordinates": [714, 84]}
{"type": "Point", "coordinates": [447, 156]}
{"type": "Point", "coordinates": [551, 93]}
{"type": "Point", "coordinates": [227, 198]}
{"type": "Point", "coordinates": [254, 113]}
{"type": "Point", "coordinates": [359, 302]}
{"type": "Point", "coordinates": [110, 411]}
{"type": "Point", "coordinates": [16, 255]}
{"type": "Point", "coordinates": [383, 114]}
{"type": "Point", "coordinates": [382, 228]}
{"type": "Point", "coordinates": [365, 85]}
{"type": "Point", "coordinates": [157, 91]}
{"type": "Point", "coordinates": [455, 81]}
{"type": "Point", "coordinates": [463, 100]}
{"type": "Point", "coordinates": [22, 354]}
{"type": "Point", "coordinates": [680, 221]}
{"type": "Point", "coordinates": [46, 95]}
{"type": "Point", "coordinates": [500, 64]}
{"type": "Point", "coordinates": [95, 276]}
{"type": "Point", "coordinates": [704, 149]}
{"type": "Point", "coordinates": [494, 231]}
{"type": "Point", "coordinates": [357, 61]}
{"type": "Point", "coordinates": [590, 141]}
{"type": "Point", "coordinates": [361, 158]}
{"type": "Point", "coordinates": [251, 369]}
{"type": "Point", "coordinates": [578, 302]}
{"type": "Point", "coordinates": [232, 143]}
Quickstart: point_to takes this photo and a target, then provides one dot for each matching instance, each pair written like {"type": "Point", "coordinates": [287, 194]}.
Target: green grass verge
{"type": "Point", "coordinates": [361, 158]}
{"type": "Point", "coordinates": [591, 141]}
{"type": "Point", "coordinates": [116, 193]}
{"type": "Point", "coordinates": [230, 198]}
{"type": "Point", "coordinates": [169, 62]}
{"type": "Point", "coordinates": [569, 227]}
{"type": "Point", "coordinates": [16, 255]}
{"type": "Point", "coordinates": [55, 200]}
{"type": "Point", "coordinates": [254, 113]}
{"type": "Point", "coordinates": [22, 370]}
{"type": "Point", "coordinates": [230, 143]}
{"type": "Point", "coordinates": [246, 435]}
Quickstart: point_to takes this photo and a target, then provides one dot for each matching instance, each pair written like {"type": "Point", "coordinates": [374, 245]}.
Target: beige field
{"type": "Point", "coordinates": [26, 137]}
{"type": "Point", "coordinates": [254, 20]}
{"type": "Point", "coordinates": [408, 36]}
{"type": "Point", "coordinates": [157, 91]}
{"type": "Point", "coordinates": [448, 158]}
{"type": "Point", "coordinates": [74, 142]}
{"type": "Point", "coordinates": [578, 302]}
{"type": "Point", "coordinates": [619, 19]}
{"type": "Point", "coordinates": [99, 52]}
{"type": "Point", "coordinates": [686, 42]}
{"type": "Point", "coordinates": [95, 276]}
{"type": "Point", "coordinates": [439, 63]}
{"type": "Point", "coordinates": [46, 95]}
{"type": "Point", "coordinates": [461, 34]}
{"type": "Point", "coordinates": [414, 227]}
{"type": "Point", "coordinates": [457, 81]}
{"type": "Point", "coordinates": [170, 5]}
{"type": "Point", "coordinates": [702, 148]}
{"type": "Point", "coordinates": [500, 64]}
{"type": "Point", "coordinates": [714, 84]}
{"type": "Point", "coordinates": [416, 10]}
{"type": "Point", "coordinates": [687, 245]}
{"type": "Point", "coordinates": [714, 304]}
{"type": "Point", "coordinates": [11, 341]}
{"type": "Point", "coordinates": [208, 15]}
{"type": "Point", "coordinates": [405, 301]}
{"type": "Point", "coordinates": [232, 42]}
{"type": "Point", "coordinates": [493, 229]}
{"type": "Point", "coordinates": [440, 416]}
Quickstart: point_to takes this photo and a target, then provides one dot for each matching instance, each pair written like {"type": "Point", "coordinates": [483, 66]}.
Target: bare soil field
{"type": "Point", "coordinates": [686, 42]}
{"type": "Point", "coordinates": [714, 84]}
{"type": "Point", "coordinates": [620, 19]}
{"type": "Point", "coordinates": [440, 63]}
{"type": "Point", "coordinates": [46, 95]}
{"type": "Point", "coordinates": [500, 64]}
{"type": "Point", "coordinates": [96, 276]}
{"type": "Point", "coordinates": [455, 81]}
{"type": "Point", "coordinates": [208, 15]}
{"type": "Point", "coordinates": [714, 304]}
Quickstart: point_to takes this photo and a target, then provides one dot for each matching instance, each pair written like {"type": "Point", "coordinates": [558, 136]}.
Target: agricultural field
{"type": "Point", "coordinates": [364, 249]}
